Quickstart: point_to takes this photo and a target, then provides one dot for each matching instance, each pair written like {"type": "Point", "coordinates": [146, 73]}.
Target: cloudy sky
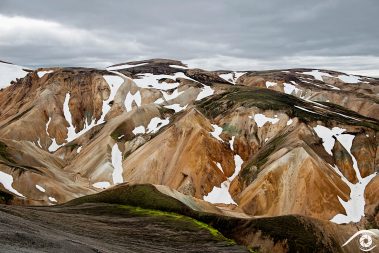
{"type": "Point", "coordinates": [214, 34]}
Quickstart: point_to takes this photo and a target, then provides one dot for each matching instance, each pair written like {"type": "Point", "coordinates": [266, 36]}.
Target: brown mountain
{"type": "Point", "coordinates": [270, 159]}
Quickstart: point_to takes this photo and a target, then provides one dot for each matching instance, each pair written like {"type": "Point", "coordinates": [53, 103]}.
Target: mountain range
{"type": "Point", "coordinates": [155, 156]}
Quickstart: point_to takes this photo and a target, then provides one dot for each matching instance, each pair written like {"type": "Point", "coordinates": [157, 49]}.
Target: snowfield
{"type": "Point", "coordinates": [9, 72]}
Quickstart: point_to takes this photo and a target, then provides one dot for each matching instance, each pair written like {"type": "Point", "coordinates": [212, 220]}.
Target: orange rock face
{"type": "Point", "coordinates": [274, 143]}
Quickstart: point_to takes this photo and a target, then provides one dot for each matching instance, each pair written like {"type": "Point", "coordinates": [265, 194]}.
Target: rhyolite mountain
{"type": "Point", "coordinates": [222, 161]}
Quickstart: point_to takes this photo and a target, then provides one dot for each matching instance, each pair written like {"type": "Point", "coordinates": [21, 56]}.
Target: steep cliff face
{"type": "Point", "coordinates": [270, 143]}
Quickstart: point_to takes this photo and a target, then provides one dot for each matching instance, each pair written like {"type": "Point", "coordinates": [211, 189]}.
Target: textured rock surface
{"type": "Point", "coordinates": [270, 143]}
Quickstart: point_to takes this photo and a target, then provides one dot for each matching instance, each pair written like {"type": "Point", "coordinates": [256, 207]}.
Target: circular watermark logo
{"type": "Point", "coordinates": [365, 239]}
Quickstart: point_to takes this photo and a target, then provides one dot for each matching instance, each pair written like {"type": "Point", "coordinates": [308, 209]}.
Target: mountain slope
{"type": "Point", "coordinates": [257, 144]}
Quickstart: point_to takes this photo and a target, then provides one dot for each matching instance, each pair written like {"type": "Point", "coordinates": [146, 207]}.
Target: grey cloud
{"type": "Point", "coordinates": [265, 31]}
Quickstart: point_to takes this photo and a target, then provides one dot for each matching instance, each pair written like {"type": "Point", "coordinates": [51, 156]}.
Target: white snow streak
{"type": "Point", "coordinates": [117, 165]}
{"type": "Point", "coordinates": [216, 132]}
{"type": "Point", "coordinates": [40, 188]}
{"type": "Point", "coordinates": [7, 180]}
{"type": "Point", "coordinates": [101, 185]}
{"type": "Point", "coordinates": [304, 109]}
{"type": "Point", "coordinates": [52, 199]}
{"type": "Point", "coordinates": [354, 207]}
{"type": "Point", "coordinates": [156, 124]}
{"type": "Point", "coordinates": [114, 83]}
{"type": "Point", "coordinates": [221, 194]}
{"type": "Point", "coordinates": [42, 73]}
{"type": "Point", "coordinates": [231, 143]}
{"type": "Point", "coordinates": [176, 107]}
{"type": "Point", "coordinates": [173, 95]}
{"type": "Point", "coordinates": [79, 149]}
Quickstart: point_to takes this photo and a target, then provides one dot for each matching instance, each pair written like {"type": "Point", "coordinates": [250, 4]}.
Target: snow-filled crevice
{"type": "Point", "coordinates": [354, 207]}
{"type": "Point", "coordinates": [117, 165]}
{"type": "Point", "coordinates": [221, 194]}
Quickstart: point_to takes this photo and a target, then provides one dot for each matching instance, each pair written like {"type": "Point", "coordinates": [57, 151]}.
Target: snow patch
{"type": "Point", "coordinates": [261, 119]}
{"type": "Point", "coordinates": [149, 80]}
{"type": "Point", "coordinates": [220, 167]}
{"type": "Point", "coordinates": [349, 79]}
{"type": "Point", "coordinates": [270, 84]}
{"type": "Point", "coordinates": [101, 185]}
{"type": "Point", "coordinates": [71, 134]}
{"type": "Point", "coordinates": [42, 73]}
{"type": "Point", "coordinates": [7, 180]}
{"type": "Point", "coordinates": [114, 83]}
{"type": "Point", "coordinates": [157, 123]}
{"type": "Point", "coordinates": [216, 132]}
{"type": "Point", "coordinates": [130, 98]}
{"type": "Point", "coordinates": [40, 188]}
{"type": "Point", "coordinates": [231, 143]}
{"type": "Point", "coordinates": [290, 88]}
{"type": "Point", "coordinates": [326, 135]}
{"type": "Point", "coordinates": [317, 74]}
{"type": "Point", "coordinates": [139, 130]}
{"type": "Point", "coordinates": [117, 165]}
{"type": "Point", "coordinates": [54, 146]}
{"type": "Point", "coordinates": [354, 207]}
{"type": "Point", "coordinates": [304, 109]}
{"type": "Point", "coordinates": [173, 95]}
{"type": "Point", "coordinates": [52, 199]}
{"type": "Point", "coordinates": [232, 77]}
{"type": "Point", "coordinates": [176, 107]}
{"type": "Point", "coordinates": [8, 73]}
{"type": "Point", "coordinates": [205, 92]}
{"type": "Point", "coordinates": [221, 194]}
{"type": "Point", "coordinates": [177, 66]}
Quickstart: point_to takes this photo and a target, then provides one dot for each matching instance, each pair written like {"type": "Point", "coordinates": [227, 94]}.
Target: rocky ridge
{"type": "Point", "coordinates": [249, 144]}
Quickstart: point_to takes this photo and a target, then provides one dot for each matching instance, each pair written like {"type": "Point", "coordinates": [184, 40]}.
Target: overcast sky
{"type": "Point", "coordinates": [214, 34]}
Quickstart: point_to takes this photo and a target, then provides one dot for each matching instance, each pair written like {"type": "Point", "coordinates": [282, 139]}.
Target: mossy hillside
{"type": "Point", "coordinates": [144, 196]}
{"type": "Point", "coordinates": [267, 99]}
{"type": "Point", "coordinates": [183, 221]}
{"type": "Point", "coordinates": [146, 200]}
{"type": "Point", "coordinates": [300, 233]}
